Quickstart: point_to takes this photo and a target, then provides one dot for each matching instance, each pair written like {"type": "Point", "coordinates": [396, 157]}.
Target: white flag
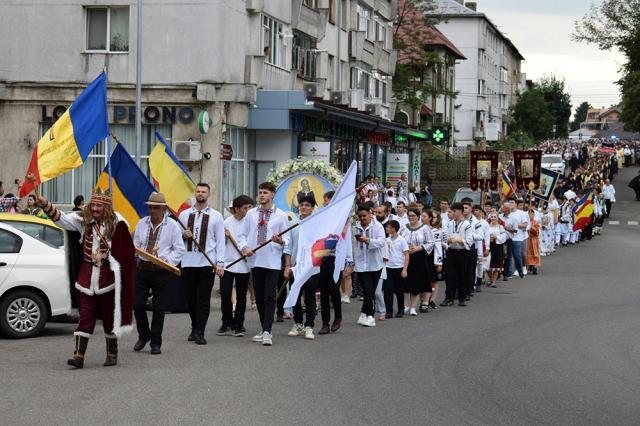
{"type": "Point", "coordinates": [324, 230]}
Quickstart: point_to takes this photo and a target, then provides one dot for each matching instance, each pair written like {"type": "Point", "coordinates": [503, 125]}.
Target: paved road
{"type": "Point", "coordinates": [559, 348]}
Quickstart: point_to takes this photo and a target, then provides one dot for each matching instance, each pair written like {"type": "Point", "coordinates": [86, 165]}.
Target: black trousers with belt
{"type": "Point", "coordinates": [155, 281]}
{"type": "Point", "coordinates": [231, 318]}
{"type": "Point", "coordinates": [470, 270]}
{"type": "Point", "coordinates": [394, 286]}
{"type": "Point", "coordinates": [308, 291]}
{"type": "Point", "coordinates": [369, 282]}
{"type": "Point", "coordinates": [457, 260]}
{"type": "Point", "coordinates": [265, 282]}
{"type": "Point", "coordinates": [329, 291]}
{"type": "Point", "coordinates": [197, 283]}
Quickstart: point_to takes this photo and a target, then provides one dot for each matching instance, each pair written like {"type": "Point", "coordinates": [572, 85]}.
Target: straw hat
{"type": "Point", "coordinates": [156, 199]}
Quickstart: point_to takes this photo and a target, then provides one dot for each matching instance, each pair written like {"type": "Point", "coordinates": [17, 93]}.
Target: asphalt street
{"type": "Point", "coordinates": [562, 347]}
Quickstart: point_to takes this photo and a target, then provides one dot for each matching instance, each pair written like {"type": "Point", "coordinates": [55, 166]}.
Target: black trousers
{"type": "Point", "coordinates": [232, 319]}
{"type": "Point", "coordinates": [457, 261]}
{"type": "Point", "coordinates": [393, 286]}
{"type": "Point", "coordinates": [329, 291]}
{"type": "Point", "coordinates": [369, 282]}
{"type": "Point", "coordinates": [156, 281]}
{"type": "Point", "coordinates": [508, 257]}
{"type": "Point", "coordinates": [308, 291]}
{"type": "Point", "coordinates": [470, 270]}
{"type": "Point", "coordinates": [608, 205]}
{"type": "Point", "coordinates": [197, 283]}
{"type": "Point", "coordinates": [265, 282]}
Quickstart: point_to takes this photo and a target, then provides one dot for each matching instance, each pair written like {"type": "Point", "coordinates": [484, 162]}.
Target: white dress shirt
{"type": "Point", "coordinates": [609, 192]}
{"type": "Point", "coordinates": [169, 240]}
{"type": "Point", "coordinates": [462, 229]}
{"type": "Point", "coordinates": [269, 257]}
{"type": "Point", "coordinates": [215, 243]}
{"type": "Point", "coordinates": [238, 230]}
{"type": "Point", "coordinates": [396, 250]}
{"type": "Point", "coordinates": [369, 256]}
{"type": "Point", "coordinates": [513, 221]}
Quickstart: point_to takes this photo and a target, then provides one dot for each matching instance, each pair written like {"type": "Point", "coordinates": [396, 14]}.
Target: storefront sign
{"type": "Point", "coordinates": [397, 165]}
{"type": "Point", "coordinates": [226, 151]}
{"type": "Point", "coordinates": [316, 150]}
{"type": "Point", "coordinates": [416, 165]}
{"type": "Point", "coordinates": [127, 114]}
{"type": "Point", "coordinates": [379, 138]}
{"type": "Point", "coordinates": [322, 127]}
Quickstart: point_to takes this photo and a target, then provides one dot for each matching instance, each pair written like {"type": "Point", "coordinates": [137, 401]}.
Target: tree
{"type": "Point", "coordinates": [412, 83]}
{"type": "Point", "coordinates": [615, 24]}
{"type": "Point", "coordinates": [531, 115]}
{"type": "Point", "coordinates": [558, 103]}
{"type": "Point", "coordinates": [580, 115]}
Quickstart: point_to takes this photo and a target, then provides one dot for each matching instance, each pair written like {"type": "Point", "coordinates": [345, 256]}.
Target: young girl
{"type": "Point", "coordinates": [420, 241]}
{"type": "Point", "coordinates": [397, 262]}
{"type": "Point", "coordinates": [497, 238]}
{"type": "Point", "coordinates": [439, 238]}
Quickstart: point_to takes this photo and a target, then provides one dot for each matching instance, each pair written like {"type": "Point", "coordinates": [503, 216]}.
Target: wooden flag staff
{"type": "Point", "coordinates": [266, 243]}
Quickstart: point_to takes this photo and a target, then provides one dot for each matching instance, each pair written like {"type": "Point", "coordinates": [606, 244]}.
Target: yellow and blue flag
{"type": "Point", "coordinates": [169, 176]}
{"type": "Point", "coordinates": [506, 185]}
{"type": "Point", "coordinates": [69, 141]}
{"type": "Point", "coordinates": [583, 211]}
{"type": "Point", "coordinates": [130, 187]}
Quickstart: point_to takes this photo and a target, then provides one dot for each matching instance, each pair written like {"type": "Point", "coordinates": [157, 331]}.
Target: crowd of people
{"type": "Point", "coordinates": [403, 251]}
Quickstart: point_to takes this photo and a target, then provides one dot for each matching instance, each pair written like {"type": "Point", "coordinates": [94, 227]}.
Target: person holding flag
{"type": "Point", "coordinates": [306, 204]}
{"type": "Point", "coordinates": [105, 277]}
{"type": "Point", "coordinates": [205, 239]}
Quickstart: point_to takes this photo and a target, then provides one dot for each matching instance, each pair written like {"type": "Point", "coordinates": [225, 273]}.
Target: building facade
{"type": "Point", "coordinates": [488, 82]}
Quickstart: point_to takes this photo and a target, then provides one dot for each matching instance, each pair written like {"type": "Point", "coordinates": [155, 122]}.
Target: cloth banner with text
{"type": "Point", "coordinates": [528, 166]}
{"type": "Point", "coordinates": [483, 170]}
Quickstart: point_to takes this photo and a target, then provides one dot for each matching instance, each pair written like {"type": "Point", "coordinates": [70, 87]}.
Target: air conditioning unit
{"type": "Point", "coordinates": [356, 99]}
{"type": "Point", "coordinates": [187, 150]}
{"type": "Point", "coordinates": [310, 89]}
{"type": "Point", "coordinates": [339, 97]}
{"type": "Point", "coordinates": [373, 109]}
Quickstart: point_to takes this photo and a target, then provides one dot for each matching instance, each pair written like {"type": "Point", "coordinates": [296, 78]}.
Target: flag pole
{"type": "Point", "coordinates": [138, 121]}
{"type": "Point", "coordinates": [263, 244]}
{"type": "Point", "coordinates": [108, 141]}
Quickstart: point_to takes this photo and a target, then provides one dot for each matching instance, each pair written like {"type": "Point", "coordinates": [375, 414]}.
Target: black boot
{"type": "Point", "coordinates": [112, 352]}
{"type": "Point", "coordinates": [78, 355]}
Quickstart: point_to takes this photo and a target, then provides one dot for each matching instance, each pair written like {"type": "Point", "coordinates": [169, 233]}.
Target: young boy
{"type": "Point", "coordinates": [397, 261]}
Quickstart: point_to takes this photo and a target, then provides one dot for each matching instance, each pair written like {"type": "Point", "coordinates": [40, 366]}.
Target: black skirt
{"type": "Point", "coordinates": [418, 274]}
{"type": "Point", "coordinates": [497, 257]}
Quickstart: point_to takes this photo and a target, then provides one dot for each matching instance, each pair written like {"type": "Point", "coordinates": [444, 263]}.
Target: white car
{"type": "Point", "coordinates": [553, 162]}
{"type": "Point", "coordinates": [34, 284]}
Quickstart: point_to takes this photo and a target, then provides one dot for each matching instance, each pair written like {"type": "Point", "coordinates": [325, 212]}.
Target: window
{"type": "Point", "coordinates": [82, 180]}
{"type": "Point", "coordinates": [364, 21]}
{"type": "Point", "coordinates": [481, 88]}
{"type": "Point", "coordinates": [9, 243]}
{"type": "Point", "coordinates": [309, 3]}
{"type": "Point", "coordinates": [304, 55]}
{"type": "Point", "coordinates": [272, 41]}
{"type": "Point", "coordinates": [107, 29]}
{"type": "Point", "coordinates": [332, 12]}
{"type": "Point", "coordinates": [52, 236]}
{"type": "Point", "coordinates": [380, 89]}
{"type": "Point", "coordinates": [381, 31]}
{"type": "Point", "coordinates": [232, 184]}
{"type": "Point", "coordinates": [361, 79]}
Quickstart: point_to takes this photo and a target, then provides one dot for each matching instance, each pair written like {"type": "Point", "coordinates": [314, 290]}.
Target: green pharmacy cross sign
{"type": "Point", "coordinates": [438, 135]}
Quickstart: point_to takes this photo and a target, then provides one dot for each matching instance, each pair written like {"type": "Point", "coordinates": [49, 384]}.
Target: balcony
{"type": "Point", "coordinates": [275, 78]}
{"type": "Point", "coordinates": [387, 9]}
{"type": "Point", "coordinates": [384, 60]}
{"type": "Point", "coordinates": [311, 21]}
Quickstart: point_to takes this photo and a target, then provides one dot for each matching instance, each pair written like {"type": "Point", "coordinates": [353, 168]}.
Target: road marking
{"type": "Point", "coordinates": [632, 222]}
{"type": "Point", "coordinates": [614, 222]}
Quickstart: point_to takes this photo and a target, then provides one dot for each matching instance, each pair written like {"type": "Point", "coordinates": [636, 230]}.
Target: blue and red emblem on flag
{"type": "Point", "coordinates": [323, 248]}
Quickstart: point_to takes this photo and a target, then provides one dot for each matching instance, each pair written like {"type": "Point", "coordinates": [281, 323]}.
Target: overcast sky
{"type": "Point", "coordinates": [541, 30]}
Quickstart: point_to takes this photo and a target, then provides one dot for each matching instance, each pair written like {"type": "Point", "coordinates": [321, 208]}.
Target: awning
{"type": "Point", "coordinates": [425, 111]}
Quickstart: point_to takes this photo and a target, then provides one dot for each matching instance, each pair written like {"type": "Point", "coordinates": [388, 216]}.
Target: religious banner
{"type": "Point", "coordinates": [483, 170]}
{"type": "Point", "coordinates": [528, 165]}
{"type": "Point", "coordinates": [548, 180]}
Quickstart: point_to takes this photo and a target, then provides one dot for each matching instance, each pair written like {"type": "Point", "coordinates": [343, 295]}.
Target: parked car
{"type": "Point", "coordinates": [476, 196]}
{"type": "Point", "coordinates": [553, 162]}
{"type": "Point", "coordinates": [34, 284]}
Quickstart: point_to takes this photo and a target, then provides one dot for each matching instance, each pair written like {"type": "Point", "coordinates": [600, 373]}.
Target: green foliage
{"type": "Point", "coordinates": [615, 24]}
{"type": "Point", "coordinates": [412, 80]}
{"type": "Point", "coordinates": [580, 116]}
{"type": "Point", "coordinates": [531, 116]}
{"type": "Point", "coordinates": [558, 103]}
{"type": "Point", "coordinates": [516, 140]}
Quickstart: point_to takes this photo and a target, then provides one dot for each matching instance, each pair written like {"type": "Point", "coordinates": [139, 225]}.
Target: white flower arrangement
{"type": "Point", "coordinates": [302, 165]}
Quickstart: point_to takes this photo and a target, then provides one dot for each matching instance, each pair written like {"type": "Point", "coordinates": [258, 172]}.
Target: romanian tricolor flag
{"type": "Point", "coordinates": [583, 211]}
{"type": "Point", "coordinates": [129, 185]}
{"type": "Point", "coordinates": [506, 186]}
{"type": "Point", "coordinates": [169, 176]}
{"type": "Point", "coordinates": [69, 141]}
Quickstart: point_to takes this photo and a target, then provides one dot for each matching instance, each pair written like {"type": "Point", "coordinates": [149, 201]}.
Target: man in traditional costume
{"type": "Point", "coordinates": [105, 278]}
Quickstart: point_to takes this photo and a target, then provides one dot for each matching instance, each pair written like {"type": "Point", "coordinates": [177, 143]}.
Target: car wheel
{"type": "Point", "coordinates": [22, 314]}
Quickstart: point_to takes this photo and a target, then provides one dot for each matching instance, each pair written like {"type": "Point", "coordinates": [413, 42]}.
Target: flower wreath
{"type": "Point", "coordinates": [301, 165]}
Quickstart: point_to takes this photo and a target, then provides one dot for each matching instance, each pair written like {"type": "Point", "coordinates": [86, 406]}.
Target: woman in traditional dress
{"type": "Point", "coordinates": [420, 240]}
{"type": "Point", "coordinates": [548, 231]}
{"type": "Point", "coordinates": [497, 238]}
{"type": "Point", "coordinates": [533, 252]}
